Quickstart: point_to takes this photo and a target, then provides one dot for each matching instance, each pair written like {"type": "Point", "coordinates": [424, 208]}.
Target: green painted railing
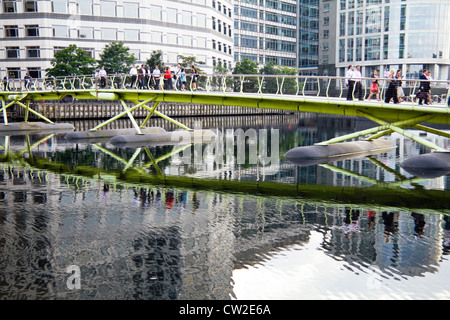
{"type": "Point", "coordinates": [282, 85]}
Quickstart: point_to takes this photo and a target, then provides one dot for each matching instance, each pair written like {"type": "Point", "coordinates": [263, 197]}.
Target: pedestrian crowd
{"type": "Point", "coordinates": [394, 91]}
{"type": "Point", "coordinates": [142, 77]}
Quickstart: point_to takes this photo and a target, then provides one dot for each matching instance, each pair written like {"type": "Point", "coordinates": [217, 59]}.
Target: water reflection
{"type": "Point", "coordinates": [137, 240]}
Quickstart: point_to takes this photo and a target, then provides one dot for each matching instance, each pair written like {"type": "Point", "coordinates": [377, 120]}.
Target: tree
{"type": "Point", "coordinates": [272, 84]}
{"type": "Point", "coordinates": [155, 60]}
{"type": "Point", "coordinates": [116, 58]}
{"type": "Point", "coordinates": [71, 61]}
{"type": "Point", "coordinates": [187, 61]}
{"type": "Point", "coordinates": [246, 67]}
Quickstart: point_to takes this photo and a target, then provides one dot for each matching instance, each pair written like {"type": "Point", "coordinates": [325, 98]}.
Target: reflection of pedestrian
{"type": "Point", "coordinates": [351, 222]}
{"type": "Point", "coordinates": [446, 234]}
{"type": "Point", "coordinates": [371, 216]}
{"type": "Point", "coordinates": [390, 224]}
{"type": "Point", "coordinates": [419, 223]}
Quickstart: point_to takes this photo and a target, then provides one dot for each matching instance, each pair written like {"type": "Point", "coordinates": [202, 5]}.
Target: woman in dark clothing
{"type": "Point", "coordinates": [391, 92]}
{"type": "Point", "coordinates": [424, 88]}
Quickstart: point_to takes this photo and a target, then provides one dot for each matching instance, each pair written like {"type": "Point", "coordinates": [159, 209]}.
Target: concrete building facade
{"type": "Point", "coordinates": [32, 31]}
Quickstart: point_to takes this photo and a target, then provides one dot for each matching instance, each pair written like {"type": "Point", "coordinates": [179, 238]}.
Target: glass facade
{"type": "Point", "coordinates": [266, 31]}
{"type": "Point", "coordinates": [308, 36]}
{"type": "Point", "coordinates": [378, 34]}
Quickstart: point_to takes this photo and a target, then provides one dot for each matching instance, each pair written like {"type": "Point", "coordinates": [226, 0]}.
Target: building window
{"type": "Point", "coordinates": [201, 20]}
{"type": "Point", "coordinates": [60, 6]}
{"type": "Point", "coordinates": [14, 73]}
{"type": "Point", "coordinates": [213, 23]}
{"type": "Point", "coordinates": [172, 15]}
{"type": "Point", "coordinates": [131, 10]}
{"type": "Point", "coordinates": [132, 34]}
{"type": "Point", "coordinates": [11, 31]}
{"type": "Point", "coordinates": [9, 6]}
{"type": "Point", "coordinates": [326, 21]}
{"type": "Point", "coordinates": [85, 7]}
{"type": "Point", "coordinates": [186, 18]}
{"type": "Point", "coordinates": [214, 44]}
{"type": "Point", "coordinates": [33, 52]}
{"type": "Point", "coordinates": [86, 33]}
{"type": "Point", "coordinates": [32, 31]}
{"type": "Point", "coordinates": [35, 73]}
{"type": "Point", "coordinates": [12, 52]}
{"type": "Point", "coordinates": [155, 12]}
{"type": "Point", "coordinates": [61, 31]}
{"type": "Point", "coordinates": [109, 34]}
{"type": "Point", "coordinates": [30, 6]}
{"type": "Point", "coordinates": [108, 8]}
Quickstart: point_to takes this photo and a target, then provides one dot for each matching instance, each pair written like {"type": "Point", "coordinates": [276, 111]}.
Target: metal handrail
{"type": "Point", "coordinates": [295, 85]}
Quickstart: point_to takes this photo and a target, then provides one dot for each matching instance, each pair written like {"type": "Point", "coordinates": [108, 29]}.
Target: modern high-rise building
{"type": "Point", "coordinates": [387, 34]}
{"type": "Point", "coordinates": [266, 31]}
{"type": "Point", "coordinates": [31, 31]}
{"type": "Point", "coordinates": [308, 37]}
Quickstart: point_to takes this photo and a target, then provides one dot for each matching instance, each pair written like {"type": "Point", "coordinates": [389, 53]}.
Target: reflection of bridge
{"type": "Point", "coordinates": [255, 91]}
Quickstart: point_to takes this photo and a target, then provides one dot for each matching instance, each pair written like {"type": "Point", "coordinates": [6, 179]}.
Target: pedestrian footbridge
{"type": "Point", "coordinates": [290, 93]}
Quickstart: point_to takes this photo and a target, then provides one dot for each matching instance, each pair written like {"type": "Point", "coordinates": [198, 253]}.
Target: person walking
{"type": "Point", "coordinates": [183, 79]}
{"type": "Point", "coordinates": [424, 92]}
{"type": "Point", "coordinates": [168, 79]}
{"type": "Point", "coordinates": [177, 74]}
{"type": "Point", "coordinates": [133, 74]}
{"type": "Point", "coordinates": [349, 82]}
{"type": "Point", "coordinates": [156, 77]}
{"type": "Point", "coordinates": [374, 86]}
{"type": "Point", "coordinates": [391, 92]}
{"type": "Point", "coordinates": [194, 78]}
{"type": "Point", "coordinates": [357, 76]}
{"type": "Point", "coordinates": [27, 80]}
{"type": "Point", "coordinates": [102, 74]}
{"type": "Point", "coordinates": [141, 76]}
{"type": "Point", "coordinates": [6, 86]}
{"type": "Point", "coordinates": [400, 92]}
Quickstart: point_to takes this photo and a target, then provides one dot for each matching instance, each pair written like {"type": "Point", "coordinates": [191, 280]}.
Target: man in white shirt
{"type": "Point", "coordinates": [349, 82]}
{"type": "Point", "coordinates": [177, 73]}
{"type": "Point", "coordinates": [133, 74]}
{"type": "Point", "coordinates": [102, 74]}
{"type": "Point", "coordinates": [357, 77]}
{"type": "Point", "coordinates": [156, 75]}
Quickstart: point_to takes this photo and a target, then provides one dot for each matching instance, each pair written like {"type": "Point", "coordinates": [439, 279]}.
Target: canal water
{"type": "Point", "coordinates": [76, 223]}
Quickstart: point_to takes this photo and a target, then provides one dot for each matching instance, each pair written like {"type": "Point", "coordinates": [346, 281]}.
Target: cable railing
{"type": "Point", "coordinates": [289, 85]}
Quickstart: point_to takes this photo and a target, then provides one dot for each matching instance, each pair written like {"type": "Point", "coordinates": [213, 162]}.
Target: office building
{"type": "Point", "coordinates": [32, 31]}
{"type": "Point", "coordinates": [266, 31]}
{"type": "Point", "coordinates": [388, 34]}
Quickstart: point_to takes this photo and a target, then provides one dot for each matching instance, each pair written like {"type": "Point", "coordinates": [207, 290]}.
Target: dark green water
{"type": "Point", "coordinates": [66, 204]}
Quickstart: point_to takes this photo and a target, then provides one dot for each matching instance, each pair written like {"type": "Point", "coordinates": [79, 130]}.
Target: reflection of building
{"type": "Point", "coordinates": [145, 242]}
{"type": "Point", "coordinates": [32, 31]}
{"type": "Point", "coordinates": [384, 35]}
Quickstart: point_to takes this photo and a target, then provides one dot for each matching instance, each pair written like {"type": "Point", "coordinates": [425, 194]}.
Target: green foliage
{"type": "Point", "coordinates": [272, 84]}
{"type": "Point", "coordinates": [155, 60]}
{"type": "Point", "coordinates": [116, 58]}
{"type": "Point", "coordinates": [245, 84]}
{"type": "Point", "coordinates": [71, 61]}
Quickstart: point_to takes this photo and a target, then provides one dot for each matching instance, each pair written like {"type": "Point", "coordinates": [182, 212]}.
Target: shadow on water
{"type": "Point", "coordinates": [142, 226]}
